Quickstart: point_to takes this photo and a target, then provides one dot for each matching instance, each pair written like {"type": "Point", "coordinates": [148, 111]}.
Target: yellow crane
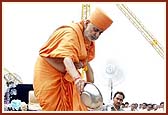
{"type": "Point", "coordinates": [85, 11]}
{"type": "Point", "coordinates": [85, 14]}
{"type": "Point", "coordinates": [137, 23]}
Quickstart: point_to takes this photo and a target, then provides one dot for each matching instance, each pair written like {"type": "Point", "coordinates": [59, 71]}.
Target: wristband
{"type": "Point", "coordinates": [85, 68]}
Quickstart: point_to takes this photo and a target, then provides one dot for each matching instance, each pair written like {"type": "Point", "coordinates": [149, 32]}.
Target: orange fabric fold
{"type": "Point", "coordinates": [54, 90]}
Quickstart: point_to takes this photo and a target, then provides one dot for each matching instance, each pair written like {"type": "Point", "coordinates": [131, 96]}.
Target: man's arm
{"type": "Point", "coordinates": [71, 69]}
{"type": "Point", "coordinates": [89, 74]}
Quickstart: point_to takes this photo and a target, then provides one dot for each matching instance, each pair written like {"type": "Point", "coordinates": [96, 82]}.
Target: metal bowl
{"type": "Point", "coordinates": [91, 96]}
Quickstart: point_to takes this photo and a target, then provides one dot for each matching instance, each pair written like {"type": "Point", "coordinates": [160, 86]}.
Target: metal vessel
{"type": "Point", "coordinates": [91, 96]}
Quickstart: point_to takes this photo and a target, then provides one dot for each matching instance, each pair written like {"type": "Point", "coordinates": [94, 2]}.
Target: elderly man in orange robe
{"type": "Point", "coordinates": [57, 80]}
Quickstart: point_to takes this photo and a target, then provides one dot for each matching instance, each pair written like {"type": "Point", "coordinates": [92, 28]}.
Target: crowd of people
{"type": "Point", "coordinates": [144, 107]}
{"type": "Point", "coordinates": [118, 104]}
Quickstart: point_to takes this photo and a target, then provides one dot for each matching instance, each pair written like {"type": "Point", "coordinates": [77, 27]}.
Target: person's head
{"type": "Point", "coordinates": [123, 105]}
{"type": "Point", "coordinates": [136, 105]}
{"type": "Point", "coordinates": [126, 104]}
{"type": "Point", "coordinates": [149, 107]}
{"type": "Point", "coordinates": [155, 106]}
{"type": "Point", "coordinates": [96, 24]}
{"type": "Point", "coordinates": [161, 105]}
{"type": "Point", "coordinates": [144, 105]}
{"type": "Point", "coordinates": [118, 98]}
{"type": "Point", "coordinates": [132, 107]}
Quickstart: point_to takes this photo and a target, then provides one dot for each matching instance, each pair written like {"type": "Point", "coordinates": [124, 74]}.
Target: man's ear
{"type": "Point", "coordinates": [86, 22]}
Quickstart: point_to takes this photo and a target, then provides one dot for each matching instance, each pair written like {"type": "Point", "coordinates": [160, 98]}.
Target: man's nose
{"type": "Point", "coordinates": [97, 34]}
{"type": "Point", "coordinates": [119, 100]}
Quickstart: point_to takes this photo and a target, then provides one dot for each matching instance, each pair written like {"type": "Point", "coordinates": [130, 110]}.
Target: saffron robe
{"type": "Point", "coordinates": [54, 90]}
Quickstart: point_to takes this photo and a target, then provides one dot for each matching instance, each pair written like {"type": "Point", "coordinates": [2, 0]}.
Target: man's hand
{"type": "Point", "coordinates": [80, 84]}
